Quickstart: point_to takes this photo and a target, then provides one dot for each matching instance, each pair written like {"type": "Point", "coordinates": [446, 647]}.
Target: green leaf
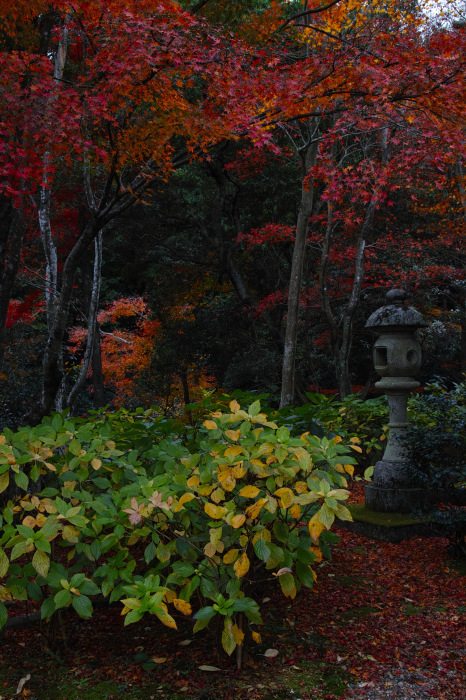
{"type": "Point", "coordinates": [228, 638]}
{"type": "Point", "coordinates": [254, 408]}
{"type": "Point", "coordinates": [21, 480]}
{"type": "Point", "coordinates": [305, 556]}
{"type": "Point", "coordinates": [62, 598]}
{"type": "Point", "coordinates": [245, 605]}
{"type": "Point", "coordinates": [183, 568]}
{"type": "Point", "coordinates": [83, 606]}
{"type": "Point", "coordinates": [88, 587]}
{"type": "Point", "coordinates": [19, 549]}
{"type": "Point", "coordinates": [75, 447]}
{"type": "Point", "coordinates": [280, 530]}
{"type": "Point", "coordinates": [34, 591]}
{"type": "Point", "coordinates": [326, 516]}
{"type": "Point", "coordinates": [261, 549]}
{"type": "Point", "coordinates": [47, 608]}
{"type": "Point", "coordinates": [133, 616]}
{"type": "Point", "coordinates": [206, 613]}
{"type": "Point", "coordinates": [199, 625]}
{"type": "Point", "coordinates": [41, 563]}
{"type": "Point", "coordinates": [4, 563]}
{"type": "Point", "coordinates": [283, 434]}
{"type": "Point", "coordinates": [150, 552]}
{"type": "Point", "coordinates": [3, 615]}
{"type": "Point", "coordinates": [304, 574]}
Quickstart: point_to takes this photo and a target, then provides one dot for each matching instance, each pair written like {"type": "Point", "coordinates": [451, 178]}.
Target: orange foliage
{"type": "Point", "coordinates": [128, 351]}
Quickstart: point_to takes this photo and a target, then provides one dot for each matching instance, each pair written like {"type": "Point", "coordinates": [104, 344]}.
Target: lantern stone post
{"type": "Point", "coordinates": [397, 359]}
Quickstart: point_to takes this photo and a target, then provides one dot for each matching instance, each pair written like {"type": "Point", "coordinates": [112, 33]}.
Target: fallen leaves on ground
{"type": "Point", "coordinates": [378, 609]}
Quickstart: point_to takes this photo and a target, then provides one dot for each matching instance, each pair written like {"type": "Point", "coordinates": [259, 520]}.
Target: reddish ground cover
{"type": "Point", "coordinates": [379, 611]}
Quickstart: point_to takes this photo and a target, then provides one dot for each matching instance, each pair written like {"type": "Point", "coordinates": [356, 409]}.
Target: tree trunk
{"type": "Point", "coordinates": [91, 322]}
{"type": "Point", "coordinates": [308, 159]}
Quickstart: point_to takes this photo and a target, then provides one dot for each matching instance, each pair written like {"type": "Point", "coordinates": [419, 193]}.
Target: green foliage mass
{"type": "Point", "coordinates": [165, 518]}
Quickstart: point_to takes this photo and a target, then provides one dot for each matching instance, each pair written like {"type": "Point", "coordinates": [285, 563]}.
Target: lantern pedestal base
{"type": "Point", "coordinates": [395, 500]}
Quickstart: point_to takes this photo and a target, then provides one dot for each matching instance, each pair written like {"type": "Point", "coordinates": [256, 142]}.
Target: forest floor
{"type": "Point", "coordinates": [384, 621]}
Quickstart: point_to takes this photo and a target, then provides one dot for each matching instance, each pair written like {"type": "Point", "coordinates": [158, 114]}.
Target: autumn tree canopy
{"type": "Point", "coordinates": [175, 121]}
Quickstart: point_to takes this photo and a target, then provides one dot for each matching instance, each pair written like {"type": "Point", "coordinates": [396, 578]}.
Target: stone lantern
{"type": "Point", "coordinates": [397, 359]}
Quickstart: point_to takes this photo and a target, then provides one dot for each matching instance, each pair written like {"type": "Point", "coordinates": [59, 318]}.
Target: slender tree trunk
{"type": "Point", "coordinates": [48, 243]}
{"type": "Point", "coordinates": [308, 158]}
{"type": "Point", "coordinates": [92, 326]}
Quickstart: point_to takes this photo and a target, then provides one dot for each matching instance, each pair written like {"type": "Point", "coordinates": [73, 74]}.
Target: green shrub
{"type": "Point", "coordinates": [435, 441]}
{"type": "Point", "coordinates": [165, 518]}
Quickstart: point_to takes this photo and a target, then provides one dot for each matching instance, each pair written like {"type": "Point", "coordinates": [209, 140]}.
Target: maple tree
{"type": "Point", "coordinates": [325, 78]}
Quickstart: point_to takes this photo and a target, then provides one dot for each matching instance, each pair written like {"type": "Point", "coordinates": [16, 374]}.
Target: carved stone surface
{"type": "Point", "coordinates": [397, 359]}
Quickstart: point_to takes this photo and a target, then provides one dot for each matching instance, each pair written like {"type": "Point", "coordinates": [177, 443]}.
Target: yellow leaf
{"type": "Point", "coordinates": [70, 534]}
{"type": "Point", "coordinates": [210, 550]}
{"type": "Point", "coordinates": [2, 439]}
{"type": "Point", "coordinates": [233, 434]}
{"type": "Point", "coordinates": [243, 540]}
{"type": "Point", "coordinates": [40, 519]}
{"type": "Point", "coordinates": [4, 481]}
{"type": "Point", "coordinates": [249, 491]}
{"type": "Point", "coordinates": [210, 425]}
{"type": "Point", "coordinates": [355, 439]}
{"type": "Point", "coordinates": [96, 464]}
{"type": "Point", "coordinates": [193, 481]}
{"type": "Point", "coordinates": [241, 565]}
{"type": "Point", "coordinates": [256, 637]}
{"type": "Point", "coordinates": [238, 520]}
{"type": "Point", "coordinates": [234, 406]}
{"type": "Point", "coordinates": [233, 451]}
{"type": "Point", "coordinates": [254, 510]}
{"type": "Point", "coordinates": [336, 440]}
{"type": "Point", "coordinates": [315, 527]}
{"type": "Point", "coordinates": [229, 483]}
{"type": "Point", "coordinates": [205, 490]}
{"type": "Point", "coordinates": [356, 448]}
{"type": "Point", "coordinates": [271, 504]}
{"type": "Point", "coordinates": [238, 470]}
{"type": "Point", "coordinates": [301, 487]}
{"type": "Point", "coordinates": [318, 552]}
{"type": "Point", "coordinates": [218, 495]}
{"type": "Point", "coordinates": [29, 521]}
{"type": "Point", "coordinates": [182, 606]}
{"type": "Point", "coordinates": [169, 596]}
{"type": "Point", "coordinates": [230, 556]}
{"type": "Point", "coordinates": [295, 512]}
{"type": "Point", "coordinates": [50, 466]}
{"type": "Point", "coordinates": [215, 534]}
{"type": "Point", "coordinates": [166, 619]}
{"type": "Point", "coordinates": [185, 498]}
{"type": "Point", "coordinates": [349, 469]}
{"type": "Point", "coordinates": [286, 497]}
{"type": "Point", "coordinates": [238, 635]}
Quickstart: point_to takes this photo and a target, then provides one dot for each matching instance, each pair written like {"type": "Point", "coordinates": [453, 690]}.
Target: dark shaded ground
{"type": "Point", "coordinates": [384, 621]}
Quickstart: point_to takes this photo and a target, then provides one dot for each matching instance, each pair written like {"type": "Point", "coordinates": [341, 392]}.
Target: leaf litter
{"type": "Point", "coordinates": [384, 621]}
